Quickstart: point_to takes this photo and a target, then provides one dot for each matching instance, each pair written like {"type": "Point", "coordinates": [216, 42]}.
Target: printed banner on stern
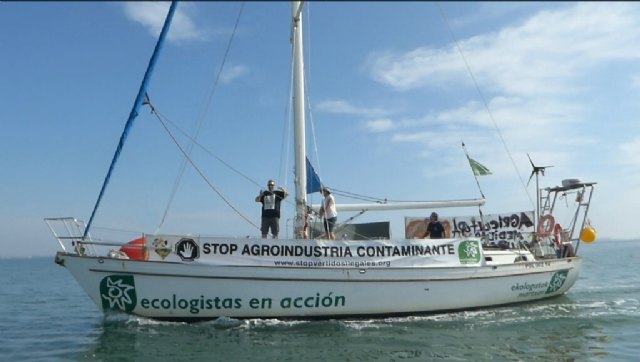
{"type": "Point", "coordinates": [316, 253]}
{"type": "Point", "coordinates": [510, 227]}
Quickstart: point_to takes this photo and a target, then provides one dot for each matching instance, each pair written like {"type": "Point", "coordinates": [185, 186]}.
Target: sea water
{"type": "Point", "coordinates": [45, 316]}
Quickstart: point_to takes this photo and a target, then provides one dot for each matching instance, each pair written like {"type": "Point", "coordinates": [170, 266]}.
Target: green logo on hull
{"type": "Point", "coordinates": [118, 292]}
{"type": "Point", "coordinates": [557, 281]}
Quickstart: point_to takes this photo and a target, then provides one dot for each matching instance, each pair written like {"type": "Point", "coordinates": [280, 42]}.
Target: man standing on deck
{"type": "Point", "coordinates": [435, 230]}
{"type": "Point", "coordinates": [329, 213]}
{"type": "Point", "coordinates": [270, 200]}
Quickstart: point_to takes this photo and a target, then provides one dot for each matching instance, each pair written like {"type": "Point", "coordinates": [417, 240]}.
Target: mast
{"type": "Point", "coordinates": [300, 175]}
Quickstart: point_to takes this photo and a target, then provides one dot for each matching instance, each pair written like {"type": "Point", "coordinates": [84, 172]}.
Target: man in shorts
{"type": "Point", "coordinates": [270, 200]}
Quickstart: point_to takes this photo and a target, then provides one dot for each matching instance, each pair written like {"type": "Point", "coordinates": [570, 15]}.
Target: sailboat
{"type": "Point", "coordinates": [192, 278]}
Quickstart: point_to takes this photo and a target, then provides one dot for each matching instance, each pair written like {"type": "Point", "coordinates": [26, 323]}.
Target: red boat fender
{"type": "Point", "coordinates": [138, 249]}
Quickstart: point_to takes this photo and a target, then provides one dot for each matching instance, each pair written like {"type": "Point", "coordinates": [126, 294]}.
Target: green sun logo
{"type": "Point", "coordinates": [118, 292]}
{"type": "Point", "coordinates": [469, 252]}
{"type": "Point", "coordinates": [557, 281]}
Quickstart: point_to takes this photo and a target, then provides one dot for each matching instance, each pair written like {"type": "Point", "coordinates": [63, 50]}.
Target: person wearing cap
{"type": "Point", "coordinates": [435, 230]}
{"type": "Point", "coordinates": [270, 200]}
{"type": "Point", "coordinates": [328, 211]}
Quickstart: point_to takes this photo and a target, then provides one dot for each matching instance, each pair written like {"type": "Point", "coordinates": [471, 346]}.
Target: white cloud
{"type": "Point", "coordinates": [379, 125]}
{"type": "Point", "coordinates": [232, 72]}
{"type": "Point", "coordinates": [415, 68]}
{"type": "Point", "coordinates": [343, 107]}
{"type": "Point", "coordinates": [153, 14]}
{"type": "Point", "coordinates": [541, 79]}
{"type": "Point", "coordinates": [537, 57]}
{"type": "Point", "coordinates": [629, 152]}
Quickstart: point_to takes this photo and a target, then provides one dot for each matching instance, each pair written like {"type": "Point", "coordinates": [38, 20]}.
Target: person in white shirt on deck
{"type": "Point", "coordinates": [328, 211]}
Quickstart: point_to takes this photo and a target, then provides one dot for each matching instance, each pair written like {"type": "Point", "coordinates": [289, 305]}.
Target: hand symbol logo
{"type": "Point", "coordinates": [187, 249]}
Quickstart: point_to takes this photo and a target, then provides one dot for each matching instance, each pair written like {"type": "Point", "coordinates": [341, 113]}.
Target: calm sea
{"type": "Point", "coordinates": [45, 316]}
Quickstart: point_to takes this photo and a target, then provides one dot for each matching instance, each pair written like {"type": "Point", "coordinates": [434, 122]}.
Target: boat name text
{"type": "Point", "coordinates": [530, 289]}
{"type": "Point", "coordinates": [537, 264]}
{"type": "Point", "coordinates": [197, 305]}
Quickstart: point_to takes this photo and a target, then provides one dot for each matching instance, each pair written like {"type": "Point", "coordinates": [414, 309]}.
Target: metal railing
{"type": "Point", "coordinates": [69, 233]}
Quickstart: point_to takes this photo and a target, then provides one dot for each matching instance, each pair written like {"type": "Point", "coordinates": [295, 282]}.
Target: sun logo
{"type": "Point", "coordinates": [469, 252]}
{"type": "Point", "coordinates": [557, 281]}
{"type": "Point", "coordinates": [472, 250]}
{"type": "Point", "coordinates": [118, 293]}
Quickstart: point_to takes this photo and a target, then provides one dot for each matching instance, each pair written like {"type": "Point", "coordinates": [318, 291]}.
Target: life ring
{"type": "Point", "coordinates": [546, 225]}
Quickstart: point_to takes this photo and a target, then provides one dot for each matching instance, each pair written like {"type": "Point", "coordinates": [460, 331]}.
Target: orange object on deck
{"type": "Point", "coordinates": [136, 249]}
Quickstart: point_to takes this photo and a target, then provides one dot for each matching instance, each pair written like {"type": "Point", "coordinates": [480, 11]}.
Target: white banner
{"type": "Point", "coordinates": [316, 253]}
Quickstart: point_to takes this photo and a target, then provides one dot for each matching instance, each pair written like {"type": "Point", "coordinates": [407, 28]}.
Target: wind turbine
{"type": "Point", "coordinates": [537, 170]}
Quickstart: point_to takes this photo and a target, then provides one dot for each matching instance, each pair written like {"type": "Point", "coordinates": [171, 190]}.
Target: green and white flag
{"type": "Point", "coordinates": [478, 168]}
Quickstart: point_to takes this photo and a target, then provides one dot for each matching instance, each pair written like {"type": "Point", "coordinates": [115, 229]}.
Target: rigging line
{"type": "Point", "coordinates": [116, 230]}
{"type": "Point", "coordinates": [204, 177]}
{"type": "Point", "coordinates": [368, 198]}
{"type": "Point", "coordinates": [484, 101]}
{"type": "Point", "coordinates": [312, 124]}
{"type": "Point", "coordinates": [158, 114]}
{"type": "Point", "coordinates": [210, 153]}
{"type": "Point", "coordinates": [373, 199]}
{"type": "Point", "coordinates": [203, 114]}
{"type": "Point", "coordinates": [357, 196]}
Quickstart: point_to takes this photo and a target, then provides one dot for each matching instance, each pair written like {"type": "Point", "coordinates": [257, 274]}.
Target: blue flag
{"type": "Point", "coordinates": [313, 181]}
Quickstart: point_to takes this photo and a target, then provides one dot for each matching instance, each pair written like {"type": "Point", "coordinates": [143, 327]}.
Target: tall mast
{"type": "Point", "coordinates": [298, 119]}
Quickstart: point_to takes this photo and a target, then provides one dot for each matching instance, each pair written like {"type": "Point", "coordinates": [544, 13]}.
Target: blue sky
{"type": "Point", "coordinates": [391, 99]}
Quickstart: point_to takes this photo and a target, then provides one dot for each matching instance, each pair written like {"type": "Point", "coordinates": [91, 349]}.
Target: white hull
{"type": "Point", "coordinates": [182, 291]}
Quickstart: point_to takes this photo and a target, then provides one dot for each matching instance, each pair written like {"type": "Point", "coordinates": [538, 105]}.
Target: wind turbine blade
{"type": "Point", "coordinates": [532, 165]}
